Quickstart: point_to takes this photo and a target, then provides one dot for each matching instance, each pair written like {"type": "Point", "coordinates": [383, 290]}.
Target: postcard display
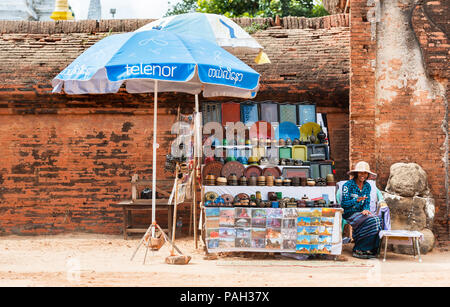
{"type": "Point", "coordinates": [309, 223]}
{"type": "Point", "coordinates": [300, 230]}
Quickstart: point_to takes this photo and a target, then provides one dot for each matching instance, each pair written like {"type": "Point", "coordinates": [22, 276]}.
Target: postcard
{"type": "Point", "coordinates": [288, 223]}
{"type": "Point", "coordinates": [317, 212]}
{"type": "Point", "coordinates": [302, 230]}
{"type": "Point", "coordinates": [226, 218]}
{"type": "Point", "coordinates": [325, 231]}
{"type": "Point", "coordinates": [227, 233]}
{"type": "Point", "coordinates": [258, 233]}
{"type": "Point", "coordinates": [273, 233]}
{"type": "Point", "coordinates": [273, 222]}
{"type": "Point", "coordinates": [274, 243]}
{"type": "Point", "coordinates": [289, 234]}
{"type": "Point", "coordinates": [303, 239]}
{"type": "Point", "coordinates": [226, 221]}
{"type": "Point", "coordinates": [328, 212]}
{"type": "Point", "coordinates": [228, 212]}
{"type": "Point", "coordinates": [212, 233]}
{"type": "Point", "coordinates": [315, 221]}
{"type": "Point", "coordinates": [289, 244]}
{"type": "Point", "coordinates": [259, 222]}
{"type": "Point", "coordinates": [243, 213]}
{"type": "Point", "coordinates": [314, 239]}
{"type": "Point", "coordinates": [212, 243]}
{"type": "Point", "coordinates": [327, 221]}
{"type": "Point", "coordinates": [324, 239]}
{"type": "Point", "coordinates": [209, 212]}
{"type": "Point", "coordinates": [304, 212]}
{"type": "Point", "coordinates": [313, 230]}
{"type": "Point", "coordinates": [303, 221]}
{"type": "Point", "coordinates": [290, 213]}
{"type": "Point", "coordinates": [302, 248]}
{"type": "Point", "coordinates": [243, 242]}
{"type": "Point", "coordinates": [259, 213]}
{"type": "Point", "coordinates": [226, 242]}
{"type": "Point", "coordinates": [242, 222]}
{"type": "Point", "coordinates": [212, 222]}
{"type": "Point", "coordinates": [258, 243]}
{"type": "Point", "coordinates": [324, 249]}
{"type": "Point", "coordinates": [274, 213]}
{"type": "Point", "coordinates": [245, 233]}
{"type": "Point", "coordinates": [314, 249]}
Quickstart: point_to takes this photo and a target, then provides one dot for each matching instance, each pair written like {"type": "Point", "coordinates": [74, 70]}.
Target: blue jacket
{"type": "Point", "coordinates": [350, 194]}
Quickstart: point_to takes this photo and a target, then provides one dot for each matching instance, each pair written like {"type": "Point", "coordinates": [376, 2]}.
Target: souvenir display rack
{"type": "Point", "coordinates": [282, 194]}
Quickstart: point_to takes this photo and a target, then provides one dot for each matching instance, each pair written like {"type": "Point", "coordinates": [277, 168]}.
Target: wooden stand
{"type": "Point", "coordinates": [149, 235]}
{"type": "Point", "coordinates": [152, 229]}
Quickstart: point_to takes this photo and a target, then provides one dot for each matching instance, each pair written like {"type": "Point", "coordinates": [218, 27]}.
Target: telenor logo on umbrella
{"type": "Point", "coordinates": [151, 70]}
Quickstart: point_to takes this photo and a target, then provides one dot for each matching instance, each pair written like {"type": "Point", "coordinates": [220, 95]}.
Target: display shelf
{"type": "Point", "coordinates": [272, 165]}
{"type": "Point", "coordinates": [250, 124]}
{"type": "Point", "coordinates": [244, 249]}
{"type": "Point", "coordinates": [266, 148]}
{"type": "Point", "coordinates": [251, 146]}
{"type": "Point", "coordinates": [279, 166]}
{"type": "Point", "coordinates": [292, 191]}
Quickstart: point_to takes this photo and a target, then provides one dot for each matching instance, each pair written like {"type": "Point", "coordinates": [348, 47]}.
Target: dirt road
{"type": "Point", "coordinates": [100, 260]}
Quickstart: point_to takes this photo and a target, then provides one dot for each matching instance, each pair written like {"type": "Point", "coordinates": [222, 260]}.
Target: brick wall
{"type": "Point", "coordinates": [65, 159]}
{"type": "Point", "coordinates": [399, 89]}
{"type": "Point", "coordinates": [126, 25]}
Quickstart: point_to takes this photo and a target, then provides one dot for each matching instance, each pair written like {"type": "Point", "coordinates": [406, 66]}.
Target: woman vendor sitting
{"type": "Point", "coordinates": [356, 204]}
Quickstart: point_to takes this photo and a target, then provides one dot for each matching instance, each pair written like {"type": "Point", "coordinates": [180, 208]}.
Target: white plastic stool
{"type": "Point", "coordinates": [404, 235]}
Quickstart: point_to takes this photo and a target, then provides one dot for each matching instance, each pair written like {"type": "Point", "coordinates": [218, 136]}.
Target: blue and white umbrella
{"type": "Point", "coordinates": [215, 28]}
{"type": "Point", "coordinates": [179, 62]}
{"type": "Point", "coordinates": [158, 61]}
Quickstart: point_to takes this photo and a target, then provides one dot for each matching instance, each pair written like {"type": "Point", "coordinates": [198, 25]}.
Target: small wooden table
{"type": "Point", "coordinates": [163, 188]}
{"type": "Point", "coordinates": [145, 205]}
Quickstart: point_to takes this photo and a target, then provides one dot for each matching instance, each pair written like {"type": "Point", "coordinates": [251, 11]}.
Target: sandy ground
{"type": "Point", "coordinates": [100, 260]}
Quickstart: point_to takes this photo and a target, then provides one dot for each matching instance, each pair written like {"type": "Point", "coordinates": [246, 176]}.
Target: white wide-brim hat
{"type": "Point", "coordinates": [363, 166]}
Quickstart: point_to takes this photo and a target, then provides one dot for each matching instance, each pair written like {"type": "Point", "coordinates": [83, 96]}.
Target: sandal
{"type": "Point", "coordinates": [372, 254]}
{"type": "Point", "coordinates": [361, 254]}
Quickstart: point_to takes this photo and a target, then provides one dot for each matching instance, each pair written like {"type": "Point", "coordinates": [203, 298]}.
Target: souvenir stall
{"type": "Point", "coordinates": [267, 179]}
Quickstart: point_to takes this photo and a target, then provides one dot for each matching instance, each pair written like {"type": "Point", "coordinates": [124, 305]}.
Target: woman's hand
{"type": "Point", "coordinates": [366, 212]}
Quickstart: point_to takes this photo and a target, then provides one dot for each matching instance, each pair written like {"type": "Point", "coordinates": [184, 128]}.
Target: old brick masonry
{"type": "Point", "coordinates": [66, 159]}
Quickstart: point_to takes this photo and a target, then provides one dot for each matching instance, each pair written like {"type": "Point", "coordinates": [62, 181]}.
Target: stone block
{"type": "Point", "coordinates": [412, 213]}
{"type": "Point", "coordinates": [407, 179]}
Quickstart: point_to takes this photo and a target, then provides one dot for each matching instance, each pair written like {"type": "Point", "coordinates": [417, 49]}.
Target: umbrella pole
{"type": "Point", "coordinates": [155, 119]}
{"type": "Point", "coordinates": [191, 213]}
{"type": "Point", "coordinates": [196, 158]}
